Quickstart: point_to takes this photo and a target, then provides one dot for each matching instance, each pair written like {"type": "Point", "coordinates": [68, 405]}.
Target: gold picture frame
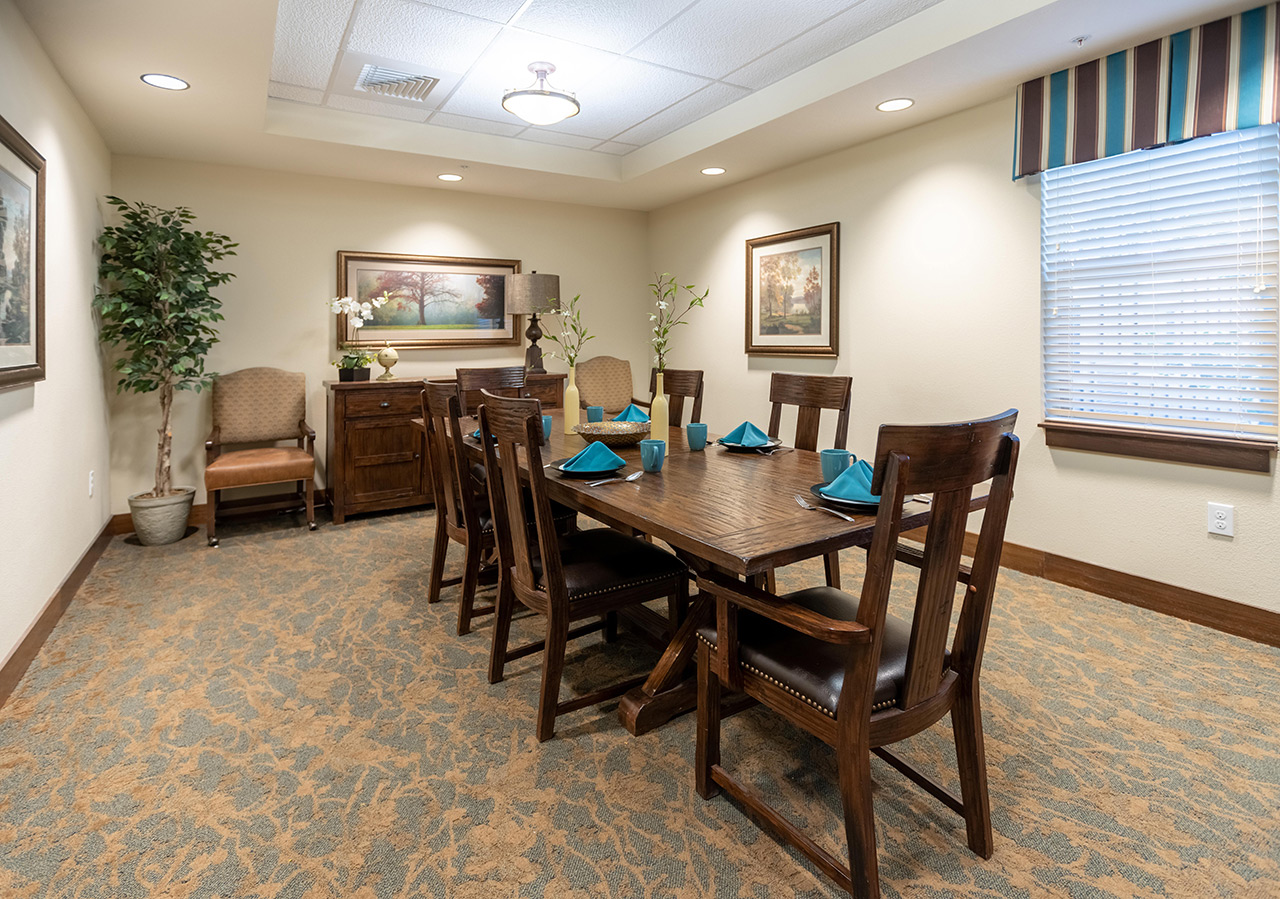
{"type": "Point", "coordinates": [793, 293]}
{"type": "Point", "coordinates": [22, 172]}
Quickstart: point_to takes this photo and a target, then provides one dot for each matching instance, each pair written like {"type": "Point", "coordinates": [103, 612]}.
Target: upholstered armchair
{"type": "Point", "coordinates": [259, 406]}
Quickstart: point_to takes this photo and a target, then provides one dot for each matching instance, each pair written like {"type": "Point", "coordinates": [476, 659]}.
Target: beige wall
{"type": "Point", "coordinates": [939, 321]}
{"type": "Point", "coordinates": [53, 433]}
{"type": "Point", "coordinates": [290, 228]}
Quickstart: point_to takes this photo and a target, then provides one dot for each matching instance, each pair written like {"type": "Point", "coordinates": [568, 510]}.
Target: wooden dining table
{"type": "Point", "coordinates": [734, 511]}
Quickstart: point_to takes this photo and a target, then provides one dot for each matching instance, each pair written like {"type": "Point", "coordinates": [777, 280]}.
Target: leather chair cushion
{"type": "Point", "coordinates": [810, 668]}
{"type": "Point", "coordinates": [602, 560]}
{"type": "Point", "coordinates": [268, 465]}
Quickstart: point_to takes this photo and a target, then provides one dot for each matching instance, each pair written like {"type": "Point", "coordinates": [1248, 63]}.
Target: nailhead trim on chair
{"type": "Point", "coordinates": [629, 584]}
{"type": "Point", "coordinates": [879, 706]}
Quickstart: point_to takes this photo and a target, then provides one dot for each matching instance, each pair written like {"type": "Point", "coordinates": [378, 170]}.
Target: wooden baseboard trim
{"type": "Point", "coordinates": [29, 647]}
{"type": "Point", "coordinates": [1214, 612]}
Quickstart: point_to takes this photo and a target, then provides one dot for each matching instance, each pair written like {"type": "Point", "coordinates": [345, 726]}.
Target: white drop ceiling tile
{"type": "Point", "coordinates": [615, 148]}
{"type": "Point", "coordinates": [295, 93]}
{"type": "Point", "coordinates": [704, 102]}
{"type": "Point", "coordinates": [714, 37]}
{"type": "Point", "coordinates": [494, 10]}
{"type": "Point", "coordinates": [483, 126]}
{"type": "Point", "coordinates": [543, 136]}
{"type": "Point", "coordinates": [373, 107]}
{"type": "Point", "coordinates": [308, 33]}
{"type": "Point", "coordinates": [616, 26]}
{"type": "Point", "coordinates": [436, 39]}
{"type": "Point", "coordinates": [846, 29]}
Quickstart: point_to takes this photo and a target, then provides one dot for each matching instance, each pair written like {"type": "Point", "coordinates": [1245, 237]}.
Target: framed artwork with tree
{"type": "Point", "coordinates": [793, 293]}
{"type": "Point", "coordinates": [22, 172]}
{"type": "Point", "coordinates": [430, 301]}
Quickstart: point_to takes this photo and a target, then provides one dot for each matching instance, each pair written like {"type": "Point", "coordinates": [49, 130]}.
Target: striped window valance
{"type": "Point", "coordinates": [1218, 77]}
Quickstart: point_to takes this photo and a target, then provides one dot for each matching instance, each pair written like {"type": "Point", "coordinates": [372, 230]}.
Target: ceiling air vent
{"type": "Point", "coordinates": [398, 85]}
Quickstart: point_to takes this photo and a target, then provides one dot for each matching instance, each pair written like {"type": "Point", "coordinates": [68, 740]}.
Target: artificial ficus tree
{"type": "Point", "coordinates": [157, 309]}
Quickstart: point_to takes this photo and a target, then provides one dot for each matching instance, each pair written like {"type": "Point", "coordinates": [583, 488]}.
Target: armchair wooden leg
{"type": "Point", "coordinates": [552, 671]}
{"type": "Point", "coordinates": [211, 521]}
{"type": "Point", "coordinates": [971, 756]}
{"type": "Point", "coordinates": [311, 504]}
{"type": "Point", "coordinates": [611, 627]}
{"type": "Point", "coordinates": [470, 578]}
{"type": "Point", "coordinates": [854, 762]}
{"type": "Point", "coordinates": [832, 563]}
{"type": "Point", "coordinates": [439, 550]}
{"type": "Point", "coordinates": [501, 629]}
{"type": "Point", "coordinates": [708, 739]}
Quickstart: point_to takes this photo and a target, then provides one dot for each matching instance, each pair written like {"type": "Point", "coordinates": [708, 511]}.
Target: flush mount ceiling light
{"type": "Point", "coordinates": [713, 170]}
{"type": "Point", "coordinates": [540, 103]}
{"type": "Point", "coordinates": [449, 176]}
{"type": "Point", "coordinates": [896, 105]}
{"type": "Point", "coordinates": [165, 82]}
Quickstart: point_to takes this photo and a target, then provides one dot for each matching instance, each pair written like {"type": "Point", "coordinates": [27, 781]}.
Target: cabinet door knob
{"type": "Point", "coordinates": [385, 405]}
{"type": "Point", "coordinates": [527, 395]}
{"type": "Point", "coordinates": [417, 456]}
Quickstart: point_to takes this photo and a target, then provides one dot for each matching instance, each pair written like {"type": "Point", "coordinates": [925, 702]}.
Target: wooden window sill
{"type": "Point", "coordinates": [1241, 454]}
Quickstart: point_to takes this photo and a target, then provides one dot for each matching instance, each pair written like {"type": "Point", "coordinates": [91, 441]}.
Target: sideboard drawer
{"type": "Point", "coordinates": [398, 402]}
{"type": "Point", "coordinates": [546, 391]}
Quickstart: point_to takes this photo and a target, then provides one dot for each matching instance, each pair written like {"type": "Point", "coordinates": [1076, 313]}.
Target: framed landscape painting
{"type": "Point", "coordinates": [21, 260]}
{"type": "Point", "coordinates": [793, 293]}
{"type": "Point", "coordinates": [432, 301]}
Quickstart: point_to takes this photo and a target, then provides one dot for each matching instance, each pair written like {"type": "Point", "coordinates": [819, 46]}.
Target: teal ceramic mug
{"type": "Point", "coordinates": [652, 454]}
{"type": "Point", "coordinates": [697, 435]}
{"type": "Point", "coordinates": [546, 429]}
{"type": "Point", "coordinates": [595, 413]}
{"type": "Point", "coordinates": [834, 462]}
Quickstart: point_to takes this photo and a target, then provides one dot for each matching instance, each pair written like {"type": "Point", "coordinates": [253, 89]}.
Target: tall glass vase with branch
{"type": "Point", "coordinates": [573, 334]}
{"type": "Point", "coordinates": [666, 295]}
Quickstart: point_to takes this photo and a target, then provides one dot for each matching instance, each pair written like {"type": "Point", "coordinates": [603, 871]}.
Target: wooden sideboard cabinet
{"type": "Point", "coordinates": [376, 457]}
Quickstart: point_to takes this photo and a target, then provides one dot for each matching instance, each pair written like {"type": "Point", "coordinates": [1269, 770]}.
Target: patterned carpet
{"type": "Point", "coordinates": [285, 716]}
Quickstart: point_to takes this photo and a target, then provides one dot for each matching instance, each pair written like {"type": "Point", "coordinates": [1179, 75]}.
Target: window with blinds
{"type": "Point", "coordinates": [1159, 273]}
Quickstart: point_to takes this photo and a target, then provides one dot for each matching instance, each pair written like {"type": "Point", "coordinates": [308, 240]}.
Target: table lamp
{"type": "Point", "coordinates": [529, 295]}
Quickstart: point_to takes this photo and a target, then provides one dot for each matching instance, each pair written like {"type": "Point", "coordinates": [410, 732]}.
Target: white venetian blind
{"type": "Point", "coordinates": [1159, 283]}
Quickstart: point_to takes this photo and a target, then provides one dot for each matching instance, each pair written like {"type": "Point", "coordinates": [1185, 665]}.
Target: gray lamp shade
{"type": "Point", "coordinates": [530, 293]}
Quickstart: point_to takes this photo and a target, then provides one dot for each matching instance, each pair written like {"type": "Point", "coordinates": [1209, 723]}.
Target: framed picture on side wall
{"type": "Point", "coordinates": [793, 293]}
{"type": "Point", "coordinates": [21, 260]}
{"type": "Point", "coordinates": [432, 301]}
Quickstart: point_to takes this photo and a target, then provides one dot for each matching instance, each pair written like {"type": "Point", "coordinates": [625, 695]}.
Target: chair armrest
{"type": "Point", "coordinates": [213, 445]}
{"type": "Point", "coordinates": [648, 404]}
{"type": "Point", "coordinates": [308, 433]}
{"type": "Point", "coordinates": [784, 612]}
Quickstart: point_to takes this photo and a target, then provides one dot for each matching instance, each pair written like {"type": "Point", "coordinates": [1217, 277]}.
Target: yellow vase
{"type": "Point", "coordinates": [571, 408]}
{"type": "Point", "coordinates": [658, 413]}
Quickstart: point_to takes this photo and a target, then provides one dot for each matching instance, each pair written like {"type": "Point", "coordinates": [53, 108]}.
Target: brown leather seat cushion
{"type": "Point", "coordinates": [268, 465]}
{"type": "Point", "coordinates": [601, 560]}
{"type": "Point", "coordinates": [810, 668]}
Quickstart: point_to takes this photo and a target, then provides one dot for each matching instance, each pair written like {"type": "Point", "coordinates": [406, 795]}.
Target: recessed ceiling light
{"type": "Point", "coordinates": [449, 176]}
{"type": "Point", "coordinates": [713, 170]}
{"type": "Point", "coordinates": [165, 82]}
{"type": "Point", "coordinates": [897, 105]}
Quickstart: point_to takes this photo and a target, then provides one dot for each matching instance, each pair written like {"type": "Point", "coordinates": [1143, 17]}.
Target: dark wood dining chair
{"type": "Point", "coordinates": [853, 675]}
{"type": "Point", "coordinates": [811, 394]}
{"type": "Point", "coordinates": [678, 384]}
{"type": "Point", "coordinates": [462, 510]}
{"type": "Point", "coordinates": [507, 380]}
{"type": "Point", "coordinates": [583, 575]}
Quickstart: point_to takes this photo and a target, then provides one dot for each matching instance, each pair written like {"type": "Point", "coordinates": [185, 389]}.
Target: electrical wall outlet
{"type": "Point", "coordinates": [91, 483]}
{"type": "Point", "coordinates": [1222, 519]}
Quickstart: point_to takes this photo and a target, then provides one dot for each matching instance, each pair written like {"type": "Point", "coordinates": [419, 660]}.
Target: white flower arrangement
{"type": "Point", "coordinates": [664, 292]}
{"type": "Point", "coordinates": [357, 314]}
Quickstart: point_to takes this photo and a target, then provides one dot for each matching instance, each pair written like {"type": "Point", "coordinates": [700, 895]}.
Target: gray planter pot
{"type": "Point", "coordinates": [161, 519]}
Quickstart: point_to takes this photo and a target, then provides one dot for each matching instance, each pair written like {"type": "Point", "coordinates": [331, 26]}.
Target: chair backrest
{"type": "Point", "coordinates": [506, 381]}
{"type": "Point", "coordinates": [450, 476]}
{"type": "Point", "coordinates": [812, 393]}
{"type": "Point", "coordinates": [947, 460]}
{"type": "Point", "coordinates": [604, 381]}
{"type": "Point", "coordinates": [679, 383]}
{"type": "Point", "coordinates": [510, 428]}
{"type": "Point", "coordinates": [255, 405]}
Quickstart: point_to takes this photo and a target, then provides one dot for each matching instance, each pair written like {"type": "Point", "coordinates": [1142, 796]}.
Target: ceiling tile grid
{"type": "Point", "coordinates": [639, 70]}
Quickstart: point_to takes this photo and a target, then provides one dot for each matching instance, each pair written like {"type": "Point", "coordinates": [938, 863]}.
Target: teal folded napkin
{"type": "Point", "coordinates": [596, 457]}
{"type": "Point", "coordinates": [631, 413]}
{"type": "Point", "coordinates": [853, 485]}
{"type": "Point", "coordinates": [746, 434]}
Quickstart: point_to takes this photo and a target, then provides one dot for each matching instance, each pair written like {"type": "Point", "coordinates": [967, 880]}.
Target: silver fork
{"type": "Point", "coordinates": [630, 477]}
{"type": "Point", "coordinates": [805, 504]}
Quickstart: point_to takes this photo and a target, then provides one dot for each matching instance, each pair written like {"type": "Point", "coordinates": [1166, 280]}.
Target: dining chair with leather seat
{"type": "Point", "coordinates": [259, 406]}
{"type": "Point", "coordinates": [678, 384]}
{"type": "Point", "coordinates": [587, 574]}
{"type": "Point", "coordinates": [507, 380]}
{"type": "Point", "coordinates": [847, 671]}
{"type": "Point", "coordinates": [811, 394]}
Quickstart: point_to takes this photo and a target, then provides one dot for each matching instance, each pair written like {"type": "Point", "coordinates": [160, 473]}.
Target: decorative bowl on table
{"type": "Point", "coordinates": [613, 433]}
